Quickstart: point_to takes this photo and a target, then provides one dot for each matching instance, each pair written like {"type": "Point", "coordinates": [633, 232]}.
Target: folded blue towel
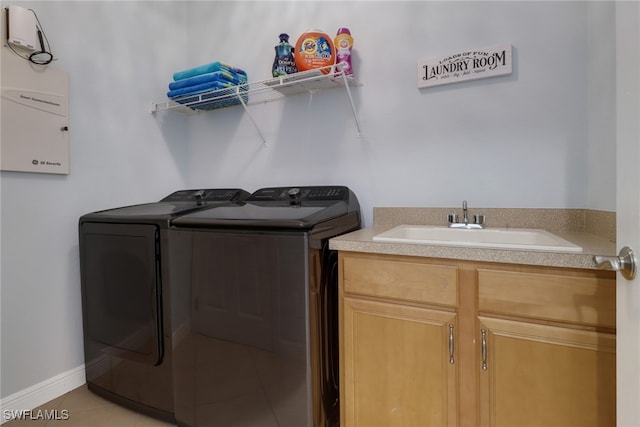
{"type": "Point", "coordinates": [204, 87]}
{"type": "Point", "coordinates": [207, 68]}
{"type": "Point", "coordinates": [205, 78]}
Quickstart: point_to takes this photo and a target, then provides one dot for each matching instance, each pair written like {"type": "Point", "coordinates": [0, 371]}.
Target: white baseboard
{"type": "Point", "coordinates": [41, 393]}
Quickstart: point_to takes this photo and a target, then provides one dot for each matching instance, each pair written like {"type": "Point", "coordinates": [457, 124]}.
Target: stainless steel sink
{"type": "Point", "coordinates": [509, 238]}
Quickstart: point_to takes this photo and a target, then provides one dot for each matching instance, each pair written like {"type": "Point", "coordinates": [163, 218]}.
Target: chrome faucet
{"type": "Point", "coordinates": [465, 213]}
{"type": "Point", "coordinates": [478, 220]}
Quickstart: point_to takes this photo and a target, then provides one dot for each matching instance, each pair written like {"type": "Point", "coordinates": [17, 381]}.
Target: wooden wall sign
{"type": "Point", "coordinates": [467, 65]}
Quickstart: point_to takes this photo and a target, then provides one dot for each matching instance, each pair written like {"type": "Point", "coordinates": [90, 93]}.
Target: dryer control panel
{"type": "Point", "coordinates": [206, 195]}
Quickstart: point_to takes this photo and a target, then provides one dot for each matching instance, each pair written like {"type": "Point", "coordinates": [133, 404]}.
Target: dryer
{"type": "Point", "coordinates": [127, 266]}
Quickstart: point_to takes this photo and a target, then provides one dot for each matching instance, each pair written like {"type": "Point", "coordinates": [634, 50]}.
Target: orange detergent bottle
{"type": "Point", "coordinates": [314, 49]}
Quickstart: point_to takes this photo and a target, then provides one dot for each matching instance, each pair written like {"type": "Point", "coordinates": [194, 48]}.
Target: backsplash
{"type": "Point", "coordinates": [600, 223]}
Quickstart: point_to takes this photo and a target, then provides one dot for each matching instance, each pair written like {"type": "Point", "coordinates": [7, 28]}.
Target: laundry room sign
{"type": "Point", "coordinates": [467, 65]}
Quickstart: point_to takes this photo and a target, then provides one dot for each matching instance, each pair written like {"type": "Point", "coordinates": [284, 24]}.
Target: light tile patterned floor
{"type": "Point", "coordinates": [85, 409]}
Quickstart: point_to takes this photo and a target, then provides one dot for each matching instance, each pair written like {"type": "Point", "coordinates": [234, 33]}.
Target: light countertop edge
{"type": "Point", "coordinates": [362, 241]}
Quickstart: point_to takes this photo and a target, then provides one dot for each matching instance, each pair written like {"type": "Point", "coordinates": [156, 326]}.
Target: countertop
{"type": "Point", "coordinates": [592, 244]}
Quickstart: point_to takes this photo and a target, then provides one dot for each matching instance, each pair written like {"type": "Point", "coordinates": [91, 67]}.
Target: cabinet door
{"type": "Point", "coordinates": [399, 365]}
{"type": "Point", "coordinates": [540, 375]}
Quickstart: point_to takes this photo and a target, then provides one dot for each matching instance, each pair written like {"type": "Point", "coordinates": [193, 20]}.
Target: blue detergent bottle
{"type": "Point", "coordinates": [284, 62]}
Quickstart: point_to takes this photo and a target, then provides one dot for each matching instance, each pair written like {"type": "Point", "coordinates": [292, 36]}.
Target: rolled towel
{"type": "Point", "coordinates": [209, 77]}
{"type": "Point", "coordinates": [207, 68]}
{"type": "Point", "coordinates": [203, 87]}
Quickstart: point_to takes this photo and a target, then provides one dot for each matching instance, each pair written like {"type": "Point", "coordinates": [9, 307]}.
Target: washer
{"type": "Point", "coordinates": [125, 280]}
{"type": "Point", "coordinates": [259, 333]}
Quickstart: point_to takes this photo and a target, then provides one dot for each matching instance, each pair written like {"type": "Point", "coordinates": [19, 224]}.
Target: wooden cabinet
{"type": "Point", "coordinates": [428, 342]}
{"type": "Point", "coordinates": [547, 348]}
{"type": "Point", "coordinates": [399, 322]}
{"type": "Point", "coordinates": [398, 371]}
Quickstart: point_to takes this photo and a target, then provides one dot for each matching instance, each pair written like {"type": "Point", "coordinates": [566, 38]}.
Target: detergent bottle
{"type": "Point", "coordinates": [284, 62]}
{"type": "Point", "coordinates": [344, 43]}
{"type": "Point", "coordinates": [314, 49]}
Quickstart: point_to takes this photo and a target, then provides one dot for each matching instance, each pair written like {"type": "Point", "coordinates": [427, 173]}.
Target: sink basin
{"type": "Point", "coordinates": [509, 238]}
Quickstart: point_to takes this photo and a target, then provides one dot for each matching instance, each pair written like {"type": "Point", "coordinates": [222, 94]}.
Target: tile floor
{"type": "Point", "coordinates": [85, 409]}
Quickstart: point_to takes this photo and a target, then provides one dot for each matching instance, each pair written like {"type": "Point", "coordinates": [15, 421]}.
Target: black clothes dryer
{"type": "Point", "coordinates": [125, 271]}
{"type": "Point", "coordinates": [260, 339]}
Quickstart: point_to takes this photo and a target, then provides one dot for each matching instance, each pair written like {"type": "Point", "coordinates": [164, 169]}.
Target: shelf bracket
{"type": "Point", "coordinates": [353, 107]}
{"type": "Point", "coordinates": [246, 109]}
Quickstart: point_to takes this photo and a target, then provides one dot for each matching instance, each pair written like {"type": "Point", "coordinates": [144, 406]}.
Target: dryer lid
{"type": "Point", "coordinates": [180, 202]}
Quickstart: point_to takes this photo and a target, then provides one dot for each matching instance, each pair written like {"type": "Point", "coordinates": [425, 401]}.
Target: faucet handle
{"type": "Point", "coordinates": [452, 218]}
{"type": "Point", "coordinates": [479, 219]}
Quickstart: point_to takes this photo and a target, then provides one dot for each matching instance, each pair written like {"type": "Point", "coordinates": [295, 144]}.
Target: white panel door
{"type": "Point", "coordinates": [628, 209]}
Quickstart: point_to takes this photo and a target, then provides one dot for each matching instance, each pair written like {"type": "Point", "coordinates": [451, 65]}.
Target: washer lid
{"type": "Point", "coordinates": [278, 207]}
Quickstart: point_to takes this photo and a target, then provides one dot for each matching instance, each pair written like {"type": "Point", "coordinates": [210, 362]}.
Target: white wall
{"type": "Point", "coordinates": [516, 141]}
{"type": "Point", "coordinates": [519, 141]}
{"type": "Point", "coordinates": [118, 56]}
{"type": "Point", "coordinates": [601, 104]}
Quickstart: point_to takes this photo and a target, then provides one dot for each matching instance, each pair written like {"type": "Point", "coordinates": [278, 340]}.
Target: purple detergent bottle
{"type": "Point", "coordinates": [343, 44]}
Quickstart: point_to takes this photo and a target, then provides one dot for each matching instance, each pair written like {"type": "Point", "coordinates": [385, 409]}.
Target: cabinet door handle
{"type": "Point", "coordinates": [484, 349]}
{"type": "Point", "coordinates": [451, 345]}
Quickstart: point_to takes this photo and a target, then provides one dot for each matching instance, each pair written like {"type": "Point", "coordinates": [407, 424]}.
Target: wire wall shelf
{"type": "Point", "coordinates": [304, 82]}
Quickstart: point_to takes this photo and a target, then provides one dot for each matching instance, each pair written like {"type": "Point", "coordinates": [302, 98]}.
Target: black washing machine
{"type": "Point", "coordinates": [259, 343]}
{"type": "Point", "coordinates": [127, 266]}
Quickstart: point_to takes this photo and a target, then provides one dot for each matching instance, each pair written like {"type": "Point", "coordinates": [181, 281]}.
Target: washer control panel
{"type": "Point", "coordinates": [319, 193]}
